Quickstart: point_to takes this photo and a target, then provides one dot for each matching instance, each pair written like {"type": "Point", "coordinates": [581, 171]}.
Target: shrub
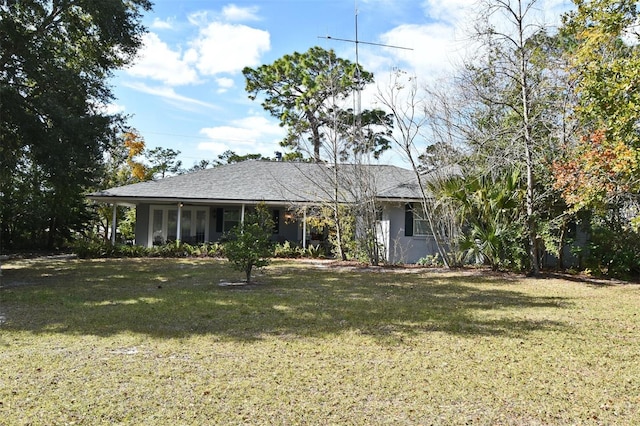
{"type": "Point", "coordinates": [98, 248]}
{"type": "Point", "coordinates": [132, 250]}
{"type": "Point", "coordinates": [287, 250]}
{"type": "Point", "coordinates": [431, 261]}
{"type": "Point", "coordinates": [613, 252]}
{"type": "Point", "coordinates": [249, 243]}
{"type": "Point", "coordinates": [315, 252]}
{"type": "Point", "coordinates": [214, 250]}
{"type": "Point", "coordinates": [87, 248]}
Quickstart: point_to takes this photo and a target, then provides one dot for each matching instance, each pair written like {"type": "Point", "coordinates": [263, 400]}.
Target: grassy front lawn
{"type": "Point", "coordinates": [159, 341]}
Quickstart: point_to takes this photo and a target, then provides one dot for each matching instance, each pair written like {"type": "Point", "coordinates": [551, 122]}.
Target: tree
{"type": "Point", "coordinates": [230, 157]}
{"type": "Point", "coordinates": [55, 59]}
{"type": "Point", "coordinates": [599, 171]}
{"type": "Point", "coordinates": [200, 165]}
{"type": "Point", "coordinates": [297, 88]}
{"type": "Point", "coordinates": [601, 167]}
{"type": "Point", "coordinates": [514, 93]}
{"type": "Point", "coordinates": [359, 134]}
{"type": "Point", "coordinates": [163, 161]}
{"type": "Point", "coordinates": [249, 243]}
{"type": "Point", "coordinates": [489, 209]}
{"type": "Point", "coordinates": [308, 93]}
{"type": "Point", "coordinates": [136, 170]}
{"type": "Point", "coordinates": [121, 166]}
{"type": "Point", "coordinates": [408, 106]}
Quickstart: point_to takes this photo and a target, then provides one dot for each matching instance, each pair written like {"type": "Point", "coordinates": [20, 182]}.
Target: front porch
{"type": "Point", "coordinates": [159, 224]}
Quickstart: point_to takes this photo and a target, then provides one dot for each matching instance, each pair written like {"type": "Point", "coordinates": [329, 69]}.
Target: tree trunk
{"type": "Point", "coordinates": [528, 144]}
{"type": "Point", "coordinates": [52, 233]}
{"type": "Point", "coordinates": [563, 233]}
{"type": "Point", "coordinates": [248, 273]}
{"type": "Point", "coordinates": [315, 136]}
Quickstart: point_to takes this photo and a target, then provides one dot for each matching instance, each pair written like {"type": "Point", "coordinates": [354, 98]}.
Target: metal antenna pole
{"type": "Point", "coordinates": [358, 89]}
{"type": "Point", "coordinates": [358, 97]}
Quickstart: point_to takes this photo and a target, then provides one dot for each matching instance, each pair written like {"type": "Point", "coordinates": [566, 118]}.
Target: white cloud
{"type": "Point", "coordinates": [159, 24]}
{"type": "Point", "coordinates": [227, 48]}
{"type": "Point", "coordinates": [460, 13]}
{"type": "Point", "coordinates": [224, 84]}
{"type": "Point", "coordinates": [112, 108]}
{"type": "Point", "coordinates": [249, 135]}
{"type": "Point", "coordinates": [108, 109]}
{"type": "Point", "coordinates": [158, 62]}
{"type": "Point", "coordinates": [233, 13]}
{"type": "Point", "coordinates": [214, 148]}
{"type": "Point", "coordinates": [199, 18]}
{"type": "Point", "coordinates": [440, 44]}
{"type": "Point", "coordinates": [450, 11]}
{"type": "Point", "coordinates": [169, 94]}
{"type": "Point", "coordinates": [434, 48]}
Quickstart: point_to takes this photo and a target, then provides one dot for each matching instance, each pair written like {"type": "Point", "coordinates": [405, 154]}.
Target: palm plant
{"type": "Point", "coordinates": [490, 211]}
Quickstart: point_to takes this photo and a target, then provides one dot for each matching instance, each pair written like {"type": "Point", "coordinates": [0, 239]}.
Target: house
{"type": "Point", "coordinates": [201, 206]}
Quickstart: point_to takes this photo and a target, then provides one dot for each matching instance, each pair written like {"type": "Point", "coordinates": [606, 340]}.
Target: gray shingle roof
{"type": "Point", "coordinates": [269, 181]}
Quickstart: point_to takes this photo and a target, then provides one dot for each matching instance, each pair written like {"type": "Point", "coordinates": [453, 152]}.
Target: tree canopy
{"type": "Point", "coordinates": [305, 92]}
{"type": "Point", "coordinates": [55, 58]}
{"type": "Point", "coordinates": [602, 165]}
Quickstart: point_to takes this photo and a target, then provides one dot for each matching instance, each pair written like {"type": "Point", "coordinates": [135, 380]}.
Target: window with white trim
{"type": "Point", "coordinates": [416, 223]}
{"type": "Point", "coordinates": [420, 222]}
{"type": "Point", "coordinates": [163, 224]}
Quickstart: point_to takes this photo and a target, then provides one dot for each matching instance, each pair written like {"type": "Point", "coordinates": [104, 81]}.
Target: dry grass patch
{"type": "Point", "coordinates": [158, 341]}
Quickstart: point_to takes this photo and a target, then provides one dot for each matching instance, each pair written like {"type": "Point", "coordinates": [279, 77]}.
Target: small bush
{"type": "Point", "coordinates": [132, 251]}
{"type": "Point", "coordinates": [287, 250]}
{"type": "Point", "coordinates": [315, 252]}
{"type": "Point", "coordinates": [88, 249]}
{"type": "Point", "coordinates": [613, 252]}
{"type": "Point", "coordinates": [214, 250]}
{"type": "Point", "coordinates": [97, 248]}
{"type": "Point", "coordinates": [431, 261]}
{"type": "Point", "coordinates": [249, 243]}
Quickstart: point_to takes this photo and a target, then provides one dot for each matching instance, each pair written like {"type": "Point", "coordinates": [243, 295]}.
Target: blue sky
{"type": "Point", "coordinates": [186, 89]}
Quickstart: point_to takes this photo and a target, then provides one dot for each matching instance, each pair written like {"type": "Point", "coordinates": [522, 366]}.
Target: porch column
{"type": "Point", "coordinates": [242, 215]}
{"type": "Point", "coordinates": [113, 224]}
{"type": "Point", "coordinates": [304, 228]}
{"type": "Point", "coordinates": [179, 230]}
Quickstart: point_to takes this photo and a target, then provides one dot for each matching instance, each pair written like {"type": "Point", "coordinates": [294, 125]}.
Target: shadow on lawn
{"type": "Point", "coordinates": [178, 298]}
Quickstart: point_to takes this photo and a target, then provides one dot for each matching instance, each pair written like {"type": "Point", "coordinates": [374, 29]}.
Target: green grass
{"type": "Point", "coordinates": [159, 341]}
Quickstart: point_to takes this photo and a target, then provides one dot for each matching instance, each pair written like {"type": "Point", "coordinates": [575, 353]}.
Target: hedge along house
{"type": "Point", "coordinates": [201, 206]}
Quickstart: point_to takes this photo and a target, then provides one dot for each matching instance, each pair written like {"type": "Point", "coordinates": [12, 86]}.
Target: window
{"type": "Point", "coordinates": [201, 225]}
{"type": "Point", "coordinates": [163, 224]}
{"type": "Point", "coordinates": [420, 222]}
{"type": "Point", "coordinates": [228, 217]}
{"type": "Point", "coordinates": [231, 218]}
{"type": "Point", "coordinates": [157, 236]}
{"type": "Point", "coordinates": [185, 226]}
{"type": "Point", "coordinates": [172, 226]}
{"type": "Point", "coordinates": [416, 223]}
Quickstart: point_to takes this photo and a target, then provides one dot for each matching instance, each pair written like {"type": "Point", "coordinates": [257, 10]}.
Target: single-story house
{"type": "Point", "coordinates": [201, 206]}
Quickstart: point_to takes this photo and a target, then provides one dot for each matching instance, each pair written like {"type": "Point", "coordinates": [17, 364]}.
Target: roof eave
{"type": "Point", "coordinates": [133, 201]}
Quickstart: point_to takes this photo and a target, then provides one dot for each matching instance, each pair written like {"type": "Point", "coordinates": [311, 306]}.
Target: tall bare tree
{"type": "Point", "coordinates": [412, 118]}
{"type": "Point", "coordinates": [507, 77]}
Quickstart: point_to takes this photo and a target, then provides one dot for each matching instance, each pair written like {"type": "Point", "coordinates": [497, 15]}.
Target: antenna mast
{"type": "Point", "coordinates": [358, 98]}
{"type": "Point", "coordinates": [358, 85]}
